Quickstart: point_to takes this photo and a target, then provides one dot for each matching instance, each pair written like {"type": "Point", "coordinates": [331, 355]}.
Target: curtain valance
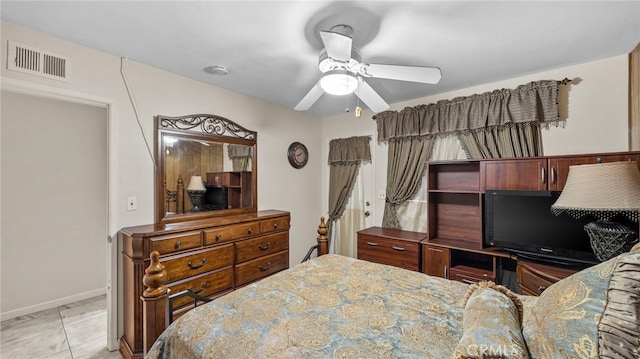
{"type": "Point", "coordinates": [532, 102]}
{"type": "Point", "coordinates": [236, 151]}
{"type": "Point", "coordinates": [350, 150]}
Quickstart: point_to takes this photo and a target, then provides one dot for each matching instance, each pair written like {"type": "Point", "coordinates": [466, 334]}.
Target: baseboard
{"type": "Point", "coordinates": [51, 304]}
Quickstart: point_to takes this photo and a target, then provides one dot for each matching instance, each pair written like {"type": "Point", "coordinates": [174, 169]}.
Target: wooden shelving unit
{"type": "Point", "coordinates": [455, 202]}
{"type": "Point", "coordinates": [454, 248]}
{"type": "Point", "coordinates": [238, 185]}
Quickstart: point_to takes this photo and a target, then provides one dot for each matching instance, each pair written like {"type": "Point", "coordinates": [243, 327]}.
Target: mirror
{"type": "Point", "coordinates": [206, 167]}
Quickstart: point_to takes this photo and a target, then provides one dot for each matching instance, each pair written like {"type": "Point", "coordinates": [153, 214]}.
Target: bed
{"type": "Point", "coordinates": [338, 307]}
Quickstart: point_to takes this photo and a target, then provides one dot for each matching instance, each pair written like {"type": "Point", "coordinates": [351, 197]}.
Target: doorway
{"type": "Point", "coordinates": [56, 199]}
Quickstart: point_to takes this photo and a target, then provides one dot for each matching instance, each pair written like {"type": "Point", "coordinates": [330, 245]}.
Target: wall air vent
{"type": "Point", "coordinates": [38, 62]}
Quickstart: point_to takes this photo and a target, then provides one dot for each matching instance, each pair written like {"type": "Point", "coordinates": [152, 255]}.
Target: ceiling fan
{"type": "Point", "coordinates": [344, 72]}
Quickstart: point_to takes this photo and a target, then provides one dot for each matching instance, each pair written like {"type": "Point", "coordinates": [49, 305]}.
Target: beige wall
{"type": "Point", "coordinates": [596, 116]}
{"type": "Point", "coordinates": [54, 199]}
{"type": "Point", "coordinates": [97, 74]}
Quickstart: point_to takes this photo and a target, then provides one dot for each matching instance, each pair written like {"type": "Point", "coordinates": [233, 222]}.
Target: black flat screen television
{"type": "Point", "coordinates": [522, 222]}
{"type": "Point", "coordinates": [216, 197]}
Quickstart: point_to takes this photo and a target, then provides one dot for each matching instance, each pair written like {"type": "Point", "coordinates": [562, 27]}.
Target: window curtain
{"type": "Point", "coordinates": [535, 102]}
{"type": "Point", "coordinates": [524, 140]}
{"type": "Point", "coordinates": [501, 123]}
{"type": "Point", "coordinates": [405, 169]}
{"type": "Point", "coordinates": [345, 240]}
{"type": "Point", "coordinates": [345, 157]}
{"type": "Point", "coordinates": [240, 157]}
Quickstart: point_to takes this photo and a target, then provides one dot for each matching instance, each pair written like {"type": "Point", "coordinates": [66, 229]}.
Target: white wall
{"type": "Point", "coordinates": [97, 74]}
{"type": "Point", "coordinates": [596, 116]}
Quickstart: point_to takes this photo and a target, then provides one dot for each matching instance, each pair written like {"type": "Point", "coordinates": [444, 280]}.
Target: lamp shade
{"type": "Point", "coordinates": [196, 184]}
{"type": "Point", "coordinates": [603, 190]}
{"type": "Point", "coordinates": [338, 82]}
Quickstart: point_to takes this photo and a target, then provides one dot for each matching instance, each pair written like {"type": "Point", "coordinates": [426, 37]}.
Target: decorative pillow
{"type": "Point", "coordinates": [563, 322]}
{"type": "Point", "coordinates": [619, 328]}
{"type": "Point", "coordinates": [491, 323]}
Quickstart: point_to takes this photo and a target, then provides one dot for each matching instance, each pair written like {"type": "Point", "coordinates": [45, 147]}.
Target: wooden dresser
{"type": "Point", "coordinates": [209, 256]}
{"type": "Point", "coordinates": [534, 278]}
{"type": "Point", "coordinates": [391, 246]}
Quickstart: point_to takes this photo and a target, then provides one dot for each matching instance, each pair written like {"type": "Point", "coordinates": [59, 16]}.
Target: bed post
{"type": "Point", "coordinates": [323, 240]}
{"type": "Point", "coordinates": [180, 196]}
{"type": "Point", "coordinates": [155, 303]}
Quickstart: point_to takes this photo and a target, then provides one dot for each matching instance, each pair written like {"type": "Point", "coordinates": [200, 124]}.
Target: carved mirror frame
{"type": "Point", "coordinates": [206, 129]}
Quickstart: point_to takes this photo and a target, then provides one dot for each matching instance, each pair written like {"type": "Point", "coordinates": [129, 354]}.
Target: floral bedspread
{"type": "Point", "coordinates": [329, 307]}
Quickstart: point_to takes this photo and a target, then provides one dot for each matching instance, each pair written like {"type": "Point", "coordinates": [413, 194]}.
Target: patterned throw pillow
{"type": "Point", "coordinates": [619, 328]}
{"type": "Point", "coordinates": [563, 321]}
{"type": "Point", "coordinates": [491, 322]}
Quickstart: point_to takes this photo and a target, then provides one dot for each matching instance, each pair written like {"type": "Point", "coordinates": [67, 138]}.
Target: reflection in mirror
{"type": "Point", "coordinates": [202, 175]}
{"type": "Point", "coordinates": [223, 169]}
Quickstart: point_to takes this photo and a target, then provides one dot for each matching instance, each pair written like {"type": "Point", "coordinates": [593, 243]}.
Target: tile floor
{"type": "Point", "coordinates": [74, 331]}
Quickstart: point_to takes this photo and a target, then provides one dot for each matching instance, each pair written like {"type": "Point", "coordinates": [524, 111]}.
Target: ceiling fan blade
{"type": "Point", "coordinates": [370, 97]}
{"type": "Point", "coordinates": [428, 75]}
{"type": "Point", "coordinates": [338, 46]}
{"type": "Point", "coordinates": [310, 98]}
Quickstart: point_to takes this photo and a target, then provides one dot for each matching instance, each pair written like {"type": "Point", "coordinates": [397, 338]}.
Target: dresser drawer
{"type": "Point", "coordinates": [176, 242]}
{"type": "Point", "coordinates": [231, 233]}
{"type": "Point", "coordinates": [470, 275]}
{"type": "Point", "coordinates": [264, 245]}
{"type": "Point", "coordinates": [261, 267]}
{"type": "Point", "coordinates": [531, 283]}
{"type": "Point", "coordinates": [388, 251]}
{"type": "Point", "coordinates": [194, 263]}
{"type": "Point", "coordinates": [204, 285]}
{"type": "Point", "coordinates": [276, 224]}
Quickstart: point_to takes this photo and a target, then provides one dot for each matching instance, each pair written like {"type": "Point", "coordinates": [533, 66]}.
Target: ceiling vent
{"type": "Point", "coordinates": [38, 62]}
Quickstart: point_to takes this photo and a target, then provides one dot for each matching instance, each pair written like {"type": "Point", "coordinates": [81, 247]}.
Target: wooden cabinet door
{"type": "Point", "coordinates": [435, 261]}
{"type": "Point", "coordinates": [522, 174]}
{"type": "Point", "coordinates": [559, 167]}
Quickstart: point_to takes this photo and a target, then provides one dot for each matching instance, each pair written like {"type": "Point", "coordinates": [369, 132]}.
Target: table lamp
{"type": "Point", "coordinates": [605, 191]}
{"type": "Point", "coordinates": [196, 192]}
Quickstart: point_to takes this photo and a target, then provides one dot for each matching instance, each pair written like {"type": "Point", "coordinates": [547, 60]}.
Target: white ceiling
{"type": "Point", "coordinates": [271, 48]}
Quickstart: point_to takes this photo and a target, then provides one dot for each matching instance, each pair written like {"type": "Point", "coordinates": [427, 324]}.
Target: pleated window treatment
{"type": "Point", "coordinates": [500, 123]}
{"type": "Point", "coordinates": [405, 167]}
{"type": "Point", "coordinates": [345, 157]}
{"type": "Point", "coordinates": [240, 157]}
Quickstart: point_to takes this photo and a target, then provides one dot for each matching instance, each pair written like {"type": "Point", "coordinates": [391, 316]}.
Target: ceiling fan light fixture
{"type": "Point", "coordinates": [338, 82]}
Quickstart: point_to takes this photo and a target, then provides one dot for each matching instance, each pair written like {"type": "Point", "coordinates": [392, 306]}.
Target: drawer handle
{"type": "Point", "coordinates": [264, 268]}
{"type": "Point", "coordinates": [250, 230]}
{"type": "Point", "coordinates": [468, 281]}
{"type": "Point", "coordinates": [373, 244]}
{"type": "Point", "coordinates": [203, 286]}
{"type": "Point", "coordinates": [192, 266]}
{"type": "Point", "coordinates": [398, 249]}
{"type": "Point", "coordinates": [177, 245]}
{"type": "Point", "coordinates": [275, 225]}
{"type": "Point", "coordinates": [264, 248]}
{"type": "Point", "coordinates": [541, 288]}
{"type": "Point", "coordinates": [218, 237]}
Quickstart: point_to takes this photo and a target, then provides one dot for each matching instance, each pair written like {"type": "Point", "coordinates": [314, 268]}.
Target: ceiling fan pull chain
{"type": "Point", "coordinates": [358, 109]}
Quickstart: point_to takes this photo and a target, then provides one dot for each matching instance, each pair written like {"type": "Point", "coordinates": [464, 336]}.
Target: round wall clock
{"type": "Point", "coordinates": [298, 155]}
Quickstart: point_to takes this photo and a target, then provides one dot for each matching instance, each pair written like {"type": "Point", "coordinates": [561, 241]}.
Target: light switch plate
{"type": "Point", "coordinates": [132, 203]}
